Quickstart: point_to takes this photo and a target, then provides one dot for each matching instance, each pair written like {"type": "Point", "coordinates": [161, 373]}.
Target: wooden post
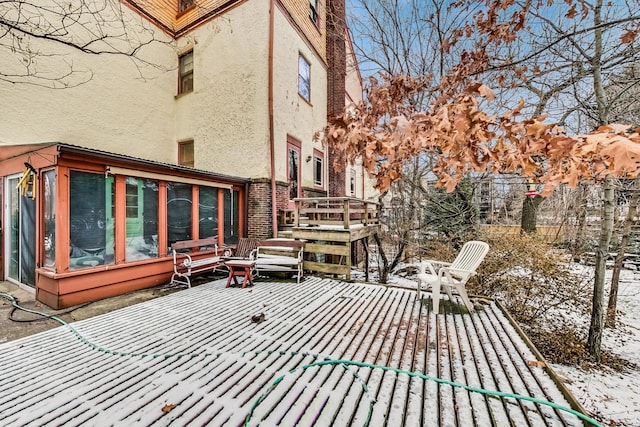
{"type": "Point", "coordinates": [296, 213]}
{"type": "Point", "coordinates": [348, 261]}
{"type": "Point", "coordinates": [365, 244]}
{"type": "Point", "coordinates": [345, 217]}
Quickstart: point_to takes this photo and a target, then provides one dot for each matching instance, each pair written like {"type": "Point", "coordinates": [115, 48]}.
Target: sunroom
{"type": "Point", "coordinates": [81, 224]}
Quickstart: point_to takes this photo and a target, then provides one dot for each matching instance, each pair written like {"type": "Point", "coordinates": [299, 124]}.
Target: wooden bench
{"type": "Point", "coordinates": [207, 261]}
{"type": "Point", "coordinates": [279, 255]}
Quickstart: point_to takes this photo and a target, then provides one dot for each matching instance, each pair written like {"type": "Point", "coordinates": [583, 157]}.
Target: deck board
{"type": "Point", "coordinates": [221, 362]}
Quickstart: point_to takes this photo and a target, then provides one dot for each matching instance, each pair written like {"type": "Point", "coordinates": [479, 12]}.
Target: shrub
{"type": "Point", "coordinates": [530, 277]}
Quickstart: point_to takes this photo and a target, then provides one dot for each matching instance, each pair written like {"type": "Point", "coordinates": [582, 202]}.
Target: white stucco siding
{"type": "Point", "coordinates": [353, 81]}
{"type": "Point", "coordinates": [293, 115]}
{"type": "Point", "coordinates": [353, 94]}
{"type": "Point", "coordinates": [227, 113]}
{"type": "Point", "coordinates": [116, 110]}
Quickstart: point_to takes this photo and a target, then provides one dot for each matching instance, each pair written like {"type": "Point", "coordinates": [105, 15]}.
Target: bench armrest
{"type": "Point", "coordinates": [178, 258]}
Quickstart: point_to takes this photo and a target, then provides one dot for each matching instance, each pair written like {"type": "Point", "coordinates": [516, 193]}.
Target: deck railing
{"type": "Point", "coordinates": [335, 211]}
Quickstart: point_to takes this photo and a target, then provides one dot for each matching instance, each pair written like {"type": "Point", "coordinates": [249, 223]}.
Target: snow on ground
{"type": "Point", "coordinates": [612, 397]}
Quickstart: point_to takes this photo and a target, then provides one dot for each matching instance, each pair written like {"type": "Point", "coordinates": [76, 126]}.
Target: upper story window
{"type": "Point", "coordinates": [183, 5]}
{"type": "Point", "coordinates": [313, 12]}
{"type": "Point", "coordinates": [185, 66]}
{"type": "Point", "coordinates": [185, 154]}
{"type": "Point", "coordinates": [304, 78]}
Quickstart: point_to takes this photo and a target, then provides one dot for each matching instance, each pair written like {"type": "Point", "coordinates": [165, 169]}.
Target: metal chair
{"type": "Point", "coordinates": [444, 275]}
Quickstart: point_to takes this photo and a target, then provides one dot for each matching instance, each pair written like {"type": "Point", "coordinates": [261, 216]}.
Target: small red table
{"type": "Point", "coordinates": [240, 268]}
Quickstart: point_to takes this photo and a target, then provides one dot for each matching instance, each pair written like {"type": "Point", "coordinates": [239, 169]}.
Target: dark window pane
{"type": "Point", "coordinates": [294, 162]}
{"type": "Point", "coordinates": [178, 212]}
{"type": "Point", "coordinates": [352, 183]}
{"type": "Point", "coordinates": [208, 212]}
{"type": "Point", "coordinates": [317, 170]}
{"type": "Point", "coordinates": [49, 180]}
{"type": "Point", "coordinates": [91, 218]}
{"type": "Point", "coordinates": [231, 217]}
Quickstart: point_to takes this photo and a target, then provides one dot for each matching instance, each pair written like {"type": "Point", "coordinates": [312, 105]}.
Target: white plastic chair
{"type": "Point", "coordinates": [444, 275]}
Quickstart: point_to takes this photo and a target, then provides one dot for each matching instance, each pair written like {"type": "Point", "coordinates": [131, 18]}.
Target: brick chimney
{"type": "Point", "coordinates": [336, 73]}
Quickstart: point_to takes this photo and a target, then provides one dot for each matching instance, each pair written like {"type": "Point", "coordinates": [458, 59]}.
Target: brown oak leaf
{"type": "Point", "coordinates": [168, 408]}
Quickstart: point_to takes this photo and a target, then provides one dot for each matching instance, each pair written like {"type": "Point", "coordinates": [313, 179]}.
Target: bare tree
{"type": "Point", "coordinates": [402, 210]}
{"type": "Point", "coordinates": [407, 38]}
{"type": "Point", "coordinates": [618, 263]}
{"type": "Point", "coordinates": [37, 38]}
{"type": "Point", "coordinates": [565, 58]}
{"type": "Point", "coordinates": [404, 37]}
{"type": "Point", "coordinates": [575, 59]}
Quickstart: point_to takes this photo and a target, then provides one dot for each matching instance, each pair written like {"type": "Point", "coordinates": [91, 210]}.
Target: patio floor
{"type": "Point", "coordinates": [195, 357]}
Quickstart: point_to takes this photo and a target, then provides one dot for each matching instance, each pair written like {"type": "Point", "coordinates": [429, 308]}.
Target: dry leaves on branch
{"type": "Point", "coordinates": [388, 132]}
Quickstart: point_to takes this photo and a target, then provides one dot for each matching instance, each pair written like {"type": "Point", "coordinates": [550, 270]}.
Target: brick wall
{"type": "Point", "coordinates": [336, 56]}
{"type": "Point", "coordinates": [336, 73]}
{"type": "Point", "coordinates": [259, 209]}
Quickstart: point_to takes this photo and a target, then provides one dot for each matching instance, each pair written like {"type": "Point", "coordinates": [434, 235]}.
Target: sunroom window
{"type": "Point", "coordinates": [179, 217]}
{"type": "Point", "coordinates": [91, 219]}
{"type": "Point", "coordinates": [142, 219]}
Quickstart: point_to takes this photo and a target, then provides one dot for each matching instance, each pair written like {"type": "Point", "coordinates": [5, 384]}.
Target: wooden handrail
{"type": "Point", "coordinates": [341, 211]}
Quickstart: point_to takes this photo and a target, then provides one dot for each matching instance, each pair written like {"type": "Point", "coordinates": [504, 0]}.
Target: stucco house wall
{"type": "Point", "coordinates": [293, 115]}
{"type": "Point", "coordinates": [226, 115]}
{"type": "Point", "coordinates": [353, 78]}
{"type": "Point", "coordinates": [116, 109]}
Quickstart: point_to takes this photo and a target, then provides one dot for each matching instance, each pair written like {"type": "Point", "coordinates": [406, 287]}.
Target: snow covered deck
{"type": "Point", "coordinates": [196, 357]}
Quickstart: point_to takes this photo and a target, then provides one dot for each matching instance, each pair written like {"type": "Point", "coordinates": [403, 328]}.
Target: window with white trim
{"type": "Point", "coordinates": [317, 169]}
{"type": "Point", "coordinates": [304, 77]}
{"type": "Point", "coordinates": [352, 183]}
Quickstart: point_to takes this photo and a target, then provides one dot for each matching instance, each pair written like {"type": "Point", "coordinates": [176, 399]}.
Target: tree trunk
{"type": "Point", "coordinates": [578, 243]}
{"type": "Point", "coordinates": [594, 342]}
{"type": "Point", "coordinates": [617, 266]}
{"type": "Point", "coordinates": [614, 244]}
{"type": "Point", "coordinates": [596, 328]}
{"type": "Point", "coordinates": [384, 269]}
{"type": "Point", "coordinates": [529, 213]}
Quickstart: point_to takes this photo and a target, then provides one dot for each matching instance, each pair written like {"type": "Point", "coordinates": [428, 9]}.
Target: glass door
{"type": "Point", "coordinates": [293, 171]}
{"type": "Point", "coordinates": [20, 243]}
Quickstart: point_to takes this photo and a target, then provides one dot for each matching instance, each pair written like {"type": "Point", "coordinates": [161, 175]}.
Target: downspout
{"type": "Point", "coordinates": [246, 211]}
{"type": "Point", "coordinates": [274, 216]}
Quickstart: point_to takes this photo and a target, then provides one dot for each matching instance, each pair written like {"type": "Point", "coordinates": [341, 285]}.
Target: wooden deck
{"type": "Point", "coordinates": [332, 228]}
{"type": "Point", "coordinates": [196, 358]}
